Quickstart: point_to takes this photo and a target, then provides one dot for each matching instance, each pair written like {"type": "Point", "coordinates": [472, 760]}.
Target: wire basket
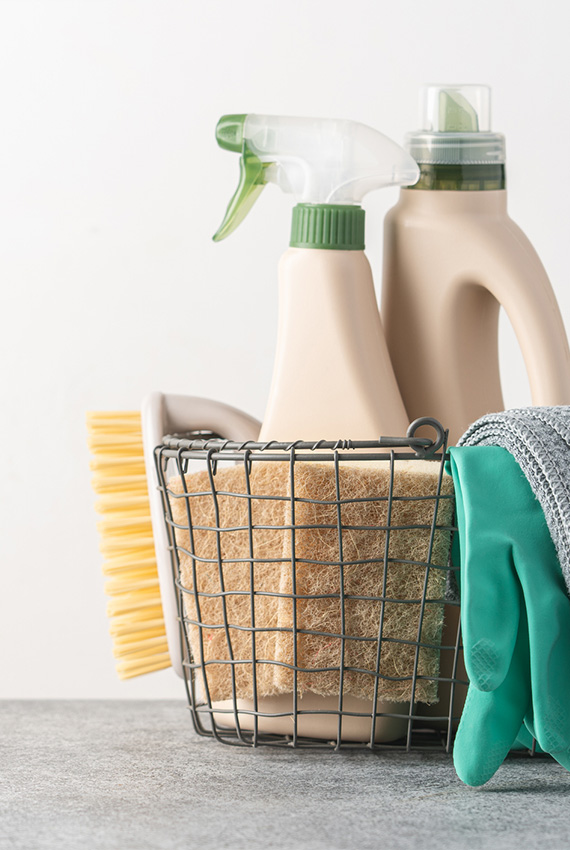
{"type": "Point", "coordinates": [313, 585]}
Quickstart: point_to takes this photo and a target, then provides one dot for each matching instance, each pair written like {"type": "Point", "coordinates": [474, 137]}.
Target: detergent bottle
{"type": "Point", "coordinates": [332, 375]}
{"type": "Point", "coordinates": [452, 258]}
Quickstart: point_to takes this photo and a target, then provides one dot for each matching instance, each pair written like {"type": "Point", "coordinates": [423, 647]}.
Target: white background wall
{"type": "Point", "coordinates": [111, 186]}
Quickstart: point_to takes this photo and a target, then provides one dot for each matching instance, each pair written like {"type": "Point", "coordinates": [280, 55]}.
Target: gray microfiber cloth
{"type": "Point", "coordinates": [539, 440]}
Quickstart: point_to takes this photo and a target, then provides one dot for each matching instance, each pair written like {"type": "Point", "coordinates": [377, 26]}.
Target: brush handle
{"type": "Point", "coordinates": [169, 414]}
{"type": "Point", "coordinates": [182, 413]}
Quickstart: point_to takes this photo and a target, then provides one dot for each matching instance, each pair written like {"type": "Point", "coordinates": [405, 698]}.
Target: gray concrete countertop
{"type": "Point", "coordinates": [100, 775]}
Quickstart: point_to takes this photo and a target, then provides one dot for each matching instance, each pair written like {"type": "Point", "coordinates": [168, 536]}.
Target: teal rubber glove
{"type": "Point", "coordinates": [515, 616]}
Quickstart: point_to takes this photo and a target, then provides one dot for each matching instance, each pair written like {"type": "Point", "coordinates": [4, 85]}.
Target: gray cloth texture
{"type": "Point", "coordinates": [539, 440]}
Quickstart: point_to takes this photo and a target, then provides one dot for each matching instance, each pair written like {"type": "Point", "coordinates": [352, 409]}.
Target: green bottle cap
{"type": "Point", "coordinates": [455, 149]}
{"type": "Point", "coordinates": [334, 226]}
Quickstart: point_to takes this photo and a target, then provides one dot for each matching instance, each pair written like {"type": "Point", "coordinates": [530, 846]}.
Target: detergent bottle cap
{"type": "Point", "coordinates": [456, 127]}
{"type": "Point", "coordinates": [328, 165]}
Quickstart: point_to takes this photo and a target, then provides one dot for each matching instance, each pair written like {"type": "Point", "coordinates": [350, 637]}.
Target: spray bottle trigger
{"type": "Point", "coordinates": [251, 182]}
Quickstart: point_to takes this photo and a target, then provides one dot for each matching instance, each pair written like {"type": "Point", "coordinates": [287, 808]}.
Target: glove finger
{"type": "Point", "coordinates": [490, 592]}
{"type": "Point", "coordinates": [523, 740]}
{"type": "Point", "coordinates": [548, 614]}
{"type": "Point", "coordinates": [491, 721]}
{"type": "Point", "coordinates": [526, 738]}
{"type": "Point", "coordinates": [562, 757]}
{"type": "Point", "coordinates": [550, 666]}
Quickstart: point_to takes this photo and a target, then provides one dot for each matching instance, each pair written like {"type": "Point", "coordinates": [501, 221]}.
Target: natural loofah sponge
{"type": "Point", "coordinates": [329, 549]}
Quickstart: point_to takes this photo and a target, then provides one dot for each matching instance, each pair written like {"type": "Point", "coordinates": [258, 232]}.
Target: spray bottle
{"type": "Point", "coordinates": [452, 258]}
{"type": "Point", "coordinates": [332, 374]}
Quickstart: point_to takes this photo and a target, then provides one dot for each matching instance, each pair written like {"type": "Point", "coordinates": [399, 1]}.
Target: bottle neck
{"type": "Point", "coordinates": [337, 227]}
{"type": "Point", "coordinates": [461, 177]}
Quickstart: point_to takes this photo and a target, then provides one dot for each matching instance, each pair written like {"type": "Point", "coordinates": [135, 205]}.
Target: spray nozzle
{"type": "Point", "coordinates": [320, 161]}
{"type": "Point", "coordinates": [229, 132]}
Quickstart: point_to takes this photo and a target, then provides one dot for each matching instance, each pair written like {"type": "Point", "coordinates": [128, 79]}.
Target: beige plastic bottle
{"type": "Point", "coordinates": [452, 258]}
{"type": "Point", "coordinates": [332, 376]}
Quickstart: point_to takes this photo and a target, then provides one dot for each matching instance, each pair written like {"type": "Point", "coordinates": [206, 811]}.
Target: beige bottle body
{"type": "Point", "coordinates": [332, 379]}
{"type": "Point", "coordinates": [451, 260]}
{"type": "Point", "coordinates": [332, 374]}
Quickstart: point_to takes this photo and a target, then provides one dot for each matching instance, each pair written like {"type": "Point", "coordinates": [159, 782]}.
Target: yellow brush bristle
{"type": "Point", "coordinates": [119, 479]}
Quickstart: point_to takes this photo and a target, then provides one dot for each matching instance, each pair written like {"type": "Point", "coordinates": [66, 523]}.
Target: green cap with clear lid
{"type": "Point", "coordinates": [455, 148]}
{"type": "Point", "coordinates": [327, 164]}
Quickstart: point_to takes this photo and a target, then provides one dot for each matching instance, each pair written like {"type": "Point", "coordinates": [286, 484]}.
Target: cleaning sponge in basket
{"type": "Point", "coordinates": [304, 572]}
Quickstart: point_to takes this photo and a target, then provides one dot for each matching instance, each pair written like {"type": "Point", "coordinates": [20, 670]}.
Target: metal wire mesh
{"type": "Point", "coordinates": [225, 634]}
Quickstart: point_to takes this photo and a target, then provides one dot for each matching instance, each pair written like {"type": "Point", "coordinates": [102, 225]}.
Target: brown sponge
{"type": "Point", "coordinates": [329, 549]}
